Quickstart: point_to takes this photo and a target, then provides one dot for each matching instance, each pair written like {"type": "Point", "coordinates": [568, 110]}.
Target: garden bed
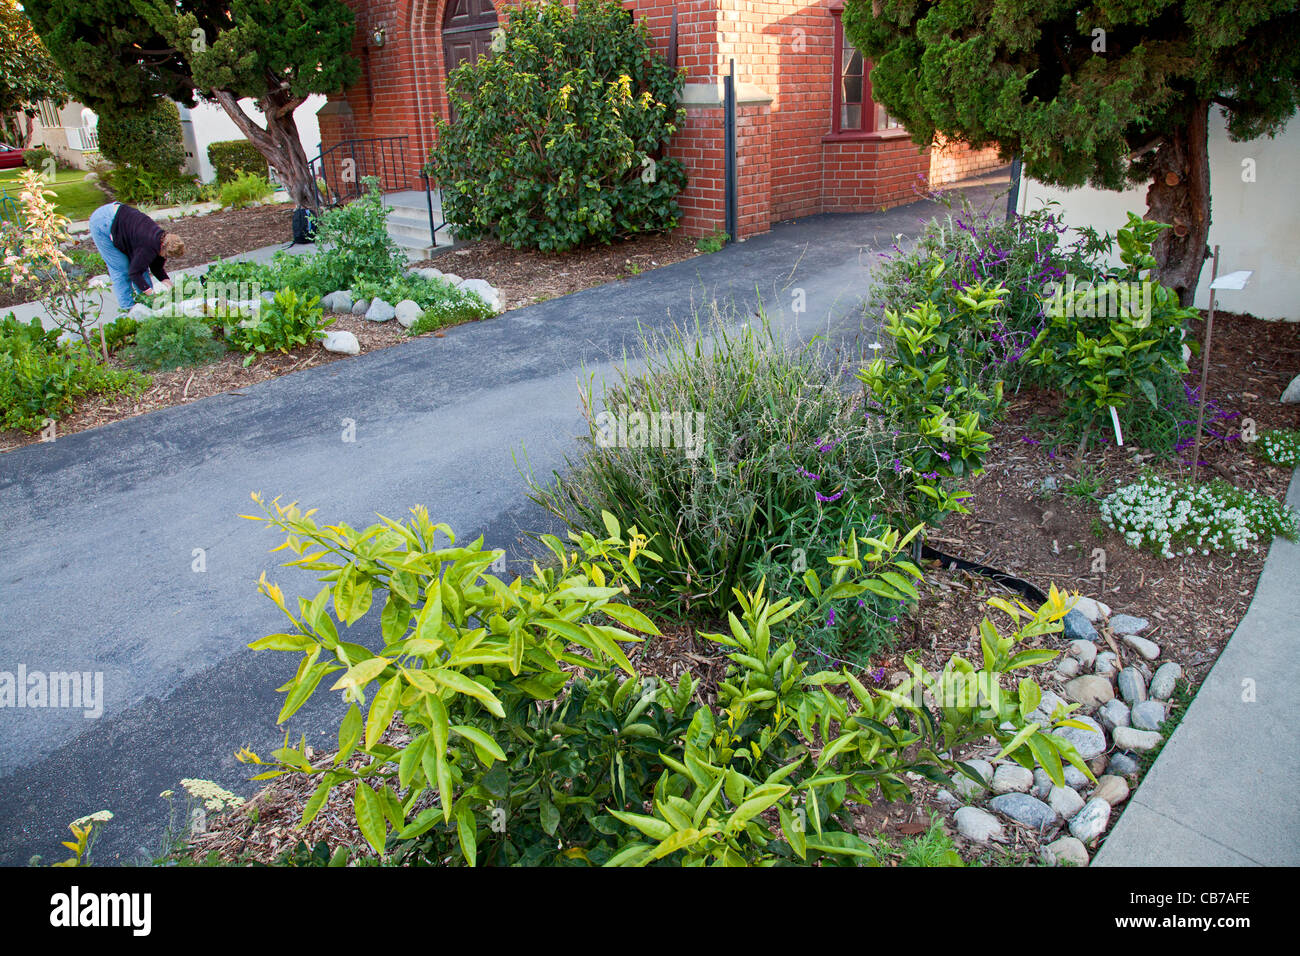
{"type": "Point", "coordinates": [526, 276]}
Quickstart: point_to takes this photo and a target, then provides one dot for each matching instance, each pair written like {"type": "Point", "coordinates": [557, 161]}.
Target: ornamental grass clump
{"type": "Point", "coordinates": [1171, 518]}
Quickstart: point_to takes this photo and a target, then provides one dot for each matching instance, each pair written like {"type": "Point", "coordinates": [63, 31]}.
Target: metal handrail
{"type": "Point", "coordinates": [344, 166]}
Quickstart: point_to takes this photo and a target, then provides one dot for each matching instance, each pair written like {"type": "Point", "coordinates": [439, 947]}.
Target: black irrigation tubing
{"type": "Point", "coordinates": [953, 563]}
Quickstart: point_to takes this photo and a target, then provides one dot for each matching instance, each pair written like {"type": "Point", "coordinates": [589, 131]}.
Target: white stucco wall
{"type": "Point", "coordinates": [1256, 224]}
{"type": "Point", "coordinates": [208, 123]}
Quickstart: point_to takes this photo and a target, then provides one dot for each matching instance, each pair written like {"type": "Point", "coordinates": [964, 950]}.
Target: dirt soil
{"type": "Point", "coordinates": [1194, 602]}
{"type": "Point", "coordinates": [525, 276]}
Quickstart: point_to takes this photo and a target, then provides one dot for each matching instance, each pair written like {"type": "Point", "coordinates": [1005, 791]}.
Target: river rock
{"type": "Point", "coordinates": [1079, 628]}
{"type": "Point", "coordinates": [1162, 684]}
{"type": "Point", "coordinates": [1114, 714]}
{"type": "Point", "coordinates": [1066, 850]}
{"type": "Point", "coordinates": [340, 301]}
{"type": "Point", "coordinates": [1150, 650]}
{"type": "Point", "coordinates": [1046, 707]}
{"type": "Point", "coordinates": [1112, 789]}
{"type": "Point", "coordinates": [1074, 777]}
{"type": "Point", "coordinates": [1123, 765]}
{"type": "Point", "coordinates": [1089, 743]}
{"type": "Point", "coordinates": [1065, 801]}
{"type": "Point", "coordinates": [965, 786]}
{"type": "Point", "coordinates": [978, 825]}
{"type": "Point", "coordinates": [485, 291]}
{"type": "Point", "coordinates": [452, 278]}
{"type": "Point", "coordinates": [1291, 394]}
{"type": "Point", "coordinates": [1089, 691]}
{"type": "Point", "coordinates": [380, 311]}
{"type": "Point", "coordinates": [1042, 784]}
{"type": "Point", "coordinates": [1148, 715]}
{"type": "Point", "coordinates": [360, 306]}
{"type": "Point", "coordinates": [407, 312]}
{"type": "Point", "coordinates": [1130, 738]}
{"type": "Point", "coordinates": [946, 798]}
{"type": "Point", "coordinates": [1106, 664]}
{"type": "Point", "coordinates": [1085, 652]}
{"type": "Point", "coordinates": [429, 273]}
{"type": "Point", "coordinates": [1012, 778]}
{"type": "Point", "coordinates": [1131, 685]}
{"type": "Point", "coordinates": [1090, 822]}
{"type": "Point", "coordinates": [1091, 609]}
{"type": "Point", "coordinates": [1128, 624]}
{"type": "Point", "coordinates": [1068, 666]}
{"type": "Point", "coordinates": [1024, 809]}
{"type": "Point", "coordinates": [140, 311]}
{"type": "Point", "coordinates": [341, 341]}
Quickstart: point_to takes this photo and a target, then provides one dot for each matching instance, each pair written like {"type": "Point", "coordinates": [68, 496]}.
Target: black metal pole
{"type": "Point", "coordinates": [1013, 197]}
{"type": "Point", "coordinates": [729, 124]}
{"type": "Point", "coordinates": [428, 202]}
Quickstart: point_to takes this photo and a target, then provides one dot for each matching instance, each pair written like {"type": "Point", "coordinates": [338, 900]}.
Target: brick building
{"type": "Point", "coordinates": [809, 137]}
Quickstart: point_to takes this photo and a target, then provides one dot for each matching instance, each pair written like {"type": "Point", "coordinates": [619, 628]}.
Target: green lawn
{"type": "Point", "coordinates": [74, 197]}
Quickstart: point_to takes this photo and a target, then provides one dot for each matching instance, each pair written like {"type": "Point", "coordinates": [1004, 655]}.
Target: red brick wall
{"type": "Point", "coordinates": [951, 162]}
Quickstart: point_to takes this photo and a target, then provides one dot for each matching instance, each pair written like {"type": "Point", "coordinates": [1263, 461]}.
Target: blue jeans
{"type": "Point", "coordinates": [101, 230]}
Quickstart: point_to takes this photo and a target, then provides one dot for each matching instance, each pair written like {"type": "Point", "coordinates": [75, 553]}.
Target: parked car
{"type": "Point", "coordinates": [11, 157]}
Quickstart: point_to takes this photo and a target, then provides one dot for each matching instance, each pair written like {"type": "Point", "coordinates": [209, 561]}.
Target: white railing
{"type": "Point", "coordinates": [83, 138]}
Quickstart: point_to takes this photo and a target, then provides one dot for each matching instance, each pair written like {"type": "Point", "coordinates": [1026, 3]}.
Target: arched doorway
{"type": "Point", "coordinates": [467, 27]}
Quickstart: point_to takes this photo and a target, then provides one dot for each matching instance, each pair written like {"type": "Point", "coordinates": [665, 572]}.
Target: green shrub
{"type": "Point", "coordinates": [560, 135]}
{"type": "Point", "coordinates": [355, 243]}
{"type": "Point", "coordinates": [244, 190]}
{"type": "Point", "coordinates": [229, 157]}
{"type": "Point", "coordinates": [42, 378]}
{"type": "Point", "coordinates": [149, 140]}
{"type": "Point", "coordinates": [174, 341]}
{"type": "Point", "coordinates": [37, 158]}
{"type": "Point", "coordinates": [770, 440]}
{"type": "Point", "coordinates": [607, 773]}
{"type": "Point", "coordinates": [137, 187]}
{"type": "Point", "coordinates": [285, 323]}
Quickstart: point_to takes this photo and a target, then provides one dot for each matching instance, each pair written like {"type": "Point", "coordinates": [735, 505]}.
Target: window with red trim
{"type": "Point", "coordinates": [853, 110]}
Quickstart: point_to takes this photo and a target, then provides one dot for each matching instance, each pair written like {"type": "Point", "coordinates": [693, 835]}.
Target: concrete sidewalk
{"type": "Point", "coordinates": [1225, 790]}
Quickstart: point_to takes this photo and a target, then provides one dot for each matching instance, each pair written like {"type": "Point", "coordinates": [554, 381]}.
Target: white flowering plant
{"type": "Point", "coordinates": [1171, 518]}
{"type": "Point", "coordinates": [1281, 446]}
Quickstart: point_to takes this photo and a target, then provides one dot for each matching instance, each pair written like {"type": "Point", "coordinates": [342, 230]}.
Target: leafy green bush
{"type": "Point", "coordinates": [560, 135]}
{"type": "Point", "coordinates": [770, 440]}
{"type": "Point", "coordinates": [482, 773]}
{"type": "Point", "coordinates": [136, 186]}
{"type": "Point", "coordinates": [42, 378]}
{"type": "Point", "coordinates": [244, 190]}
{"type": "Point", "coordinates": [286, 322]}
{"type": "Point", "coordinates": [37, 157]}
{"type": "Point", "coordinates": [149, 140]}
{"type": "Point", "coordinates": [1169, 518]}
{"type": "Point", "coordinates": [229, 157]}
{"type": "Point", "coordinates": [355, 243]}
{"type": "Point", "coordinates": [174, 341]}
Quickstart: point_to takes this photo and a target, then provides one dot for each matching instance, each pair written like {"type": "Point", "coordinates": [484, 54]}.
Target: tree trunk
{"type": "Point", "coordinates": [278, 142]}
{"type": "Point", "coordinates": [1180, 196]}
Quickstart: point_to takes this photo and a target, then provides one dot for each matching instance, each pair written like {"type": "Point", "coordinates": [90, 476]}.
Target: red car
{"type": "Point", "coordinates": [11, 157]}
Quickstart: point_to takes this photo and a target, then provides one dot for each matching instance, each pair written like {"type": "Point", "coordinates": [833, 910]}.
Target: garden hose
{"type": "Point", "coordinates": [952, 563]}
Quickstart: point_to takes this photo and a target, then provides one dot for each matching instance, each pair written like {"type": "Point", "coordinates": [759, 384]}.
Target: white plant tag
{"type": "Point", "coordinates": [1114, 419]}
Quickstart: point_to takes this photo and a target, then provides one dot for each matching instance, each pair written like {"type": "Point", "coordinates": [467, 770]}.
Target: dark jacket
{"type": "Point", "coordinates": [139, 238]}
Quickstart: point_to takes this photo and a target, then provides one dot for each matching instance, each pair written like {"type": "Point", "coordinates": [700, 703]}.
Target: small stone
{"type": "Point", "coordinates": [1114, 714]}
{"type": "Point", "coordinates": [1129, 738]}
{"type": "Point", "coordinates": [1085, 652]}
{"type": "Point", "coordinates": [1074, 777]}
{"type": "Point", "coordinates": [1012, 778]}
{"type": "Point", "coordinates": [1025, 810]}
{"type": "Point", "coordinates": [967, 787]}
{"type": "Point", "coordinates": [1048, 484]}
{"type": "Point", "coordinates": [340, 301]}
{"type": "Point", "coordinates": [1148, 649]}
{"type": "Point", "coordinates": [1148, 715]}
{"type": "Point", "coordinates": [1067, 850]}
{"type": "Point", "coordinates": [1128, 624]}
{"type": "Point", "coordinates": [1089, 691]}
{"type": "Point", "coordinates": [1046, 707]}
{"type": "Point", "coordinates": [1068, 666]}
{"type": "Point", "coordinates": [1090, 822]}
{"type": "Point", "coordinates": [978, 825]}
{"type": "Point", "coordinates": [1106, 664]}
{"type": "Point", "coordinates": [1042, 784]}
{"type": "Point", "coordinates": [1112, 789]}
{"type": "Point", "coordinates": [1131, 685]}
{"type": "Point", "coordinates": [1079, 628]}
{"type": "Point", "coordinates": [1065, 801]}
{"type": "Point", "coordinates": [1091, 609]}
{"type": "Point", "coordinates": [407, 313]}
{"type": "Point", "coordinates": [380, 311]}
{"type": "Point", "coordinates": [1166, 676]}
{"type": "Point", "coordinates": [946, 798]}
{"type": "Point", "coordinates": [429, 273]}
{"type": "Point", "coordinates": [1291, 395]}
{"type": "Point", "coordinates": [1123, 765]}
{"type": "Point", "coordinates": [1090, 742]}
{"type": "Point", "coordinates": [360, 306]}
{"type": "Point", "coordinates": [452, 278]}
{"type": "Point", "coordinates": [140, 311]}
{"type": "Point", "coordinates": [1098, 765]}
{"type": "Point", "coordinates": [341, 341]}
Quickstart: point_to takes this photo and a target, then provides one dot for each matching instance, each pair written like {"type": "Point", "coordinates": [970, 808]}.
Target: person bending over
{"type": "Point", "coordinates": [133, 245]}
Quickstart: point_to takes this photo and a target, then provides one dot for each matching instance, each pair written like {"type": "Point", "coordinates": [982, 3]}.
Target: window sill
{"type": "Point", "coordinates": [865, 136]}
